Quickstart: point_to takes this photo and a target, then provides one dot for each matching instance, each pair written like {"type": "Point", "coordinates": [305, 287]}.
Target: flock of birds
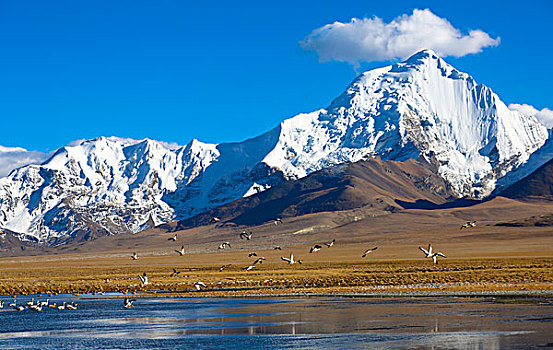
{"type": "Point", "coordinates": [291, 260]}
{"type": "Point", "coordinates": [39, 305]}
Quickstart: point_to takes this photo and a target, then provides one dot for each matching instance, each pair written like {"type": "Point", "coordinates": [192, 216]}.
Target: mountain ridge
{"type": "Point", "coordinates": [422, 107]}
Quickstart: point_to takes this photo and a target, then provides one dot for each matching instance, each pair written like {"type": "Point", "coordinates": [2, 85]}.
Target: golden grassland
{"type": "Point", "coordinates": [118, 274]}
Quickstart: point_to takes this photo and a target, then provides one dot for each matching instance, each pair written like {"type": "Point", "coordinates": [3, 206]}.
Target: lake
{"type": "Point", "coordinates": [281, 323]}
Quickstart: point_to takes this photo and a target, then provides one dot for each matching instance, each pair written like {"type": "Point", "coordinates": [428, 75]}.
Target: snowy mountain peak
{"type": "Point", "coordinates": [421, 107]}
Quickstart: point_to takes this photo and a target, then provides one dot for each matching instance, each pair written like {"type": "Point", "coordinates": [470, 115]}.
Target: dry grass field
{"type": "Point", "coordinates": [485, 258]}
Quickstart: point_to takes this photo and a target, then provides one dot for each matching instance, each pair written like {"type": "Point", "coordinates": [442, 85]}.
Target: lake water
{"type": "Point", "coordinates": [283, 323]}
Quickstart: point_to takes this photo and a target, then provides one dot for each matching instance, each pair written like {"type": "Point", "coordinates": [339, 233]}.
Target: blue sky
{"type": "Point", "coordinates": [219, 71]}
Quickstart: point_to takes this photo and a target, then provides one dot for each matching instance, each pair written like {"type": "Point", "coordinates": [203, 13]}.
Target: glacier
{"type": "Point", "coordinates": [421, 107]}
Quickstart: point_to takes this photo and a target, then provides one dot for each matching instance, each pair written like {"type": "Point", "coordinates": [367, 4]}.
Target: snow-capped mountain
{"type": "Point", "coordinates": [422, 107]}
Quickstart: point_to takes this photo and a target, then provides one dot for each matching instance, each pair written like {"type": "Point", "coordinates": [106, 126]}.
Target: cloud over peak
{"type": "Point", "coordinates": [371, 39]}
{"type": "Point", "coordinates": [545, 116]}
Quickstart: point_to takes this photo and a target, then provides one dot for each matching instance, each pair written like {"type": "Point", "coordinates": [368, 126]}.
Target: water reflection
{"type": "Point", "coordinates": [307, 323]}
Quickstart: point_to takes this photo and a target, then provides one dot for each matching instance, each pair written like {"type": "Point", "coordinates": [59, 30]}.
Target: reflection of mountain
{"type": "Point", "coordinates": [421, 108]}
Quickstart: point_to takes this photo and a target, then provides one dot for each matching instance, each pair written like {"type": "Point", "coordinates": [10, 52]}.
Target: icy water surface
{"type": "Point", "coordinates": [278, 323]}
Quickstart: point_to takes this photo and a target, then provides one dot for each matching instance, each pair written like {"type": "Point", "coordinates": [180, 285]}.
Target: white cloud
{"type": "Point", "coordinates": [12, 158]}
{"type": "Point", "coordinates": [371, 39]}
{"type": "Point", "coordinates": [545, 116]}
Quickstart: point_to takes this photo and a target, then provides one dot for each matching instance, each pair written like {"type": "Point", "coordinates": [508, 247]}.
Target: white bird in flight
{"type": "Point", "coordinates": [430, 254]}
{"type": "Point", "coordinates": [199, 285]}
{"type": "Point", "coordinates": [174, 238]}
{"type": "Point", "coordinates": [315, 248]}
{"type": "Point", "coordinates": [291, 259]}
{"type": "Point", "coordinates": [331, 243]}
{"type": "Point", "coordinates": [468, 224]}
{"type": "Point", "coordinates": [181, 251]}
{"type": "Point", "coordinates": [134, 256]}
{"type": "Point", "coordinates": [368, 251]}
{"type": "Point", "coordinates": [224, 245]}
{"type": "Point", "coordinates": [144, 279]}
{"type": "Point", "coordinates": [128, 303]}
{"type": "Point", "coordinates": [246, 236]}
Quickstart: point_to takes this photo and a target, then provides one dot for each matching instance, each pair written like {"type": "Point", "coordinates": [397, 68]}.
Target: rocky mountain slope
{"type": "Point", "coordinates": [539, 184]}
{"type": "Point", "coordinates": [375, 185]}
{"type": "Point", "coordinates": [420, 108]}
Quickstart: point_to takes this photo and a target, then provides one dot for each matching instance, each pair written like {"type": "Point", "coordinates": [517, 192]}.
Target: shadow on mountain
{"type": "Point", "coordinates": [374, 184]}
{"type": "Point", "coordinates": [427, 205]}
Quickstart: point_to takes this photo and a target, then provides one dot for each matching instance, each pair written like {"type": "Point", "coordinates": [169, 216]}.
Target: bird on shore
{"type": "Point", "coordinates": [468, 224]}
{"type": "Point", "coordinates": [430, 254]}
{"type": "Point", "coordinates": [44, 303]}
{"type": "Point", "coordinates": [368, 251]}
{"type": "Point", "coordinates": [246, 236]}
{"type": "Point", "coordinates": [199, 285]}
{"type": "Point", "coordinates": [32, 302]}
{"type": "Point", "coordinates": [224, 267]}
{"type": "Point", "coordinates": [291, 260]}
{"type": "Point", "coordinates": [128, 303]}
{"type": "Point", "coordinates": [252, 254]}
{"type": "Point", "coordinates": [331, 243]}
{"type": "Point", "coordinates": [224, 245]}
{"type": "Point", "coordinates": [19, 308]}
{"type": "Point", "coordinates": [181, 251]}
{"type": "Point", "coordinates": [134, 256]}
{"type": "Point", "coordinates": [72, 306]}
{"type": "Point", "coordinates": [144, 279]}
{"type": "Point", "coordinates": [1, 304]}
{"type": "Point", "coordinates": [174, 238]}
{"type": "Point", "coordinates": [35, 307]}
{"type": "Point", "coordinates": [315, 248]}
{"type": "Point", "coordinates": [13, 303]}
{"type": "Point", "coordinates": [61, 307]}
{"type": "Point", "coordinates": [175, 273]}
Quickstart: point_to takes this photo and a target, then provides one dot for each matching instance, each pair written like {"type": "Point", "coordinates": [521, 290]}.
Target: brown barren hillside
{"type": "Point", "coordinates": [539, 185]}
{"type": "Point", "coordinates": [384, 186]}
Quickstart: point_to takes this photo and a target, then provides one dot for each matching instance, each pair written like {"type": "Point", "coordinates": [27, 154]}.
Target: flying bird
{"type": "Point", "coordinates": [315, 248]}
{"type": "Point", "coordinates": [368, 251]}
{"type": "Point", "coordinates": [134, 256]}
{"type": "Point", "coordinates": [215, 219]}
{"type": "Point", "coordinates": [174, 238]}
{"type": "Point", "coordinates": [468, 224]}
{"type": "Point", "coordinates": [291, 260]}
{"type": "Point", "coordinates": [224, 267]}
{"type": "Point", "coordinates": [331, 243]}
{"type": "Point", "coordinates": [278, 221]}
{"type": "Point", "coordinates": [252, 254]}
{"type": "Point", "coordinates": [430, 254]}
{"type": "Point", "coordinates": [277, 248]}
{"type": "Point", "coordinates": [198, 285]}
{"type": "Point", "coordinates": [128, 303]}
{"type": "Point", "coordinates": [181, 251]}
{"type": "Point", "coordinates": [175, 273]}
{"type": "Point", "coordinates": [259, 260]}
{"type": "Point", "coordinates": [144, 279]}
{"type": "Point", "coordinates": [246, 236]}
{"type": "Point", "coordinates": [224, 245]}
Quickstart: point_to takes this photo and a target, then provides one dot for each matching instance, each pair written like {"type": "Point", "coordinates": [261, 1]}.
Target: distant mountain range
{"type": "Point", "coordinates": [422, 110]}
